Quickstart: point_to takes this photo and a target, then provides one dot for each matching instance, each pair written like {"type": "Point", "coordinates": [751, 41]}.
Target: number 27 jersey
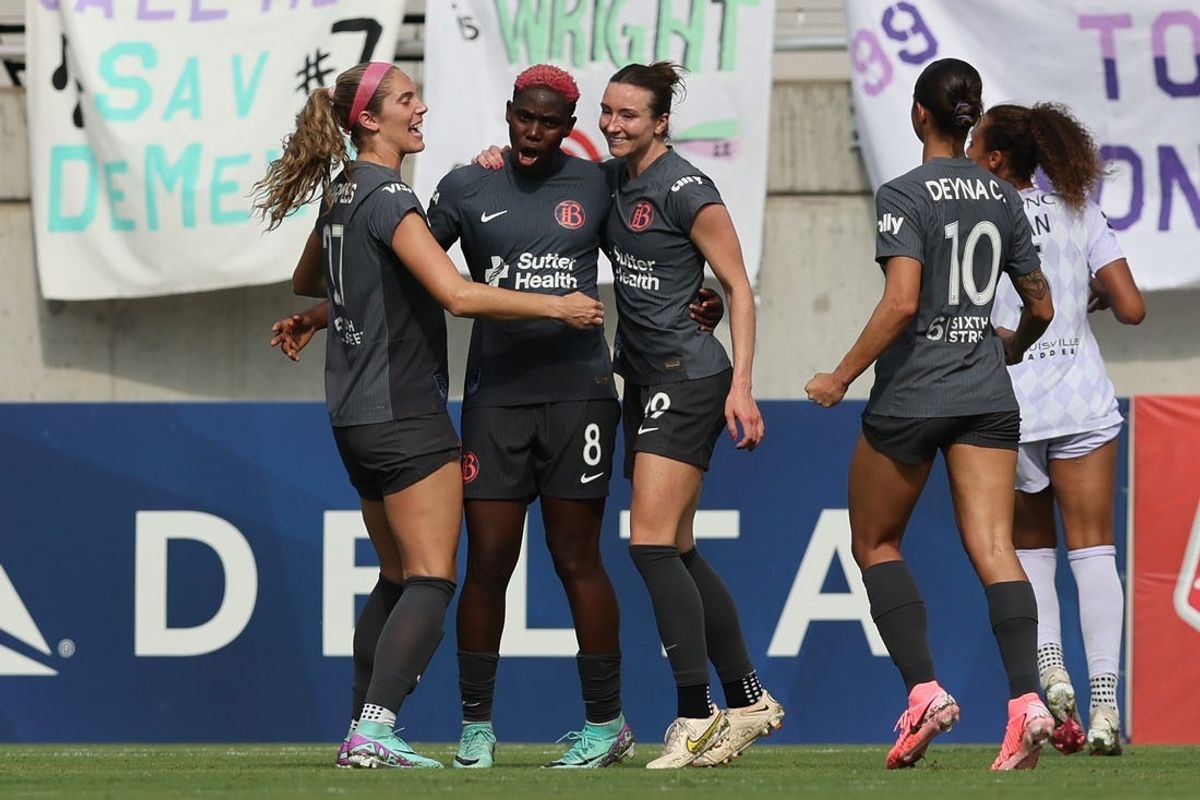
{"type": "Point", "coordinates": [964, 225]}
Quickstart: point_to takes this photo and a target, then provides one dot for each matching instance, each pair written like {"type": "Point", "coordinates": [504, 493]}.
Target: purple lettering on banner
{"type": "Point", "coordinates": [916, 28]}
{"type": "Point", "coordinates": [267, 4]}
{"type": "Point", "coordinates": [1158, 37]}
{"type": "Point", "coordinates": [103, 5]}
{"type": "Point", "coordinates": [1107, 25]}
{"type": "Point", "coordinates": [317, 3]}
{"type": "Point", "coordinates": [206, 14]}
{"type": "Point", "coordinates": [147, 14]}
{"type": "Point", "coordinates": [874, 68]}
{"type": "Point", "coordinates": [49, 5]}
{"type": "Point", "coordinates": [1119, 152]}
{"type": "Point", "coordinates": [1172, 171]}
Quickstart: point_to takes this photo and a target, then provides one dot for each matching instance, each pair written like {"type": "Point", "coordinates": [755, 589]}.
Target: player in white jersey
{"type": "Point", "coordinates": [1069, 416]}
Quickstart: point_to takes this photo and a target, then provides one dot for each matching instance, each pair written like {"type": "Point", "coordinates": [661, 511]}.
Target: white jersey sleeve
{"type": "Point", "coordinates": [1102, 245]}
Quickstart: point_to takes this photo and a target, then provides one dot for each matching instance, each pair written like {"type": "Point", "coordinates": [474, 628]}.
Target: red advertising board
{"type": "Point", "coordinates": [1165, 565]}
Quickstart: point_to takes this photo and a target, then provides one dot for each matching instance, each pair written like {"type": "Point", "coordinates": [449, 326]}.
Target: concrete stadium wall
{"type": "Point", "coordinates": [817, 286]}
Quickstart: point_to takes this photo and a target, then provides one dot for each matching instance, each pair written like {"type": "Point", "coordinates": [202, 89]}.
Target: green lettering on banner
{"type": "Point", "coordinates": [244, 92]}
{"type": "Point", "coordinates": [221, 188]}
{"type": "Point", "coordinates": [115, 195]}
{"type": "Point", "coordinates": [569, 24]}
{"type": "Point", "coordinates": [727, 60]}
{"type": "Point", "coordinates": [186, 96]}
{"type": "Point", "coordinates": [635, 37]}
{"type": "Point", "coordinates": [139, 86]}
{"type": "Point", "coordinates": [528, 25]}
{"type": "Point", "coordinates": [60, 222]}
{"type": "Point", "coordinates": [692, 33]}
{"type": "Point", "coordinates": [599, 26]}
{"type": "Point", "coordinates": [186, 168]}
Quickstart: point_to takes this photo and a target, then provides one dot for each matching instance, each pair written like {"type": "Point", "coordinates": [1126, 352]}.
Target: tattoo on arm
{"type": "Point", "coordinates": [1032, 286]}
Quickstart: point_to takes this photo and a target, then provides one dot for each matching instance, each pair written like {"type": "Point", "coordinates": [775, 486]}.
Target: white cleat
{"type": "Point", "coordinates": [687, 739]}
{"type": "Point", "coordinates": [1104, 733]}
{"type": "Point", "coordinates": [745, 726]}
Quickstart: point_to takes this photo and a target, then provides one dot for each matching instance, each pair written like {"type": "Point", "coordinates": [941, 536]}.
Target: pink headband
{"type": "Point", "coordinates": [366, 89]}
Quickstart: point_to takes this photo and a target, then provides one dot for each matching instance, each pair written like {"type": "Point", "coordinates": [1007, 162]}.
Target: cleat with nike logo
{"type": "Point", "coordinates": [597, 746]}
{"type": "Point", "coordinates": [374, 746]}
{"type": "Point", "coordinates": [1060, 700]}
{"type": "Point", "coordinates": [1029, 727]}
{"type": "Point", "coordinates": [745, 726]}
{"type": "Point", "coordinates": [687, 739]}
{"type": "Point", "coordinates": [1104, 732]}
{"type": "Point", "coordinates": [931, 710]}
{"type": "Point", "coordinates": [477, 747]}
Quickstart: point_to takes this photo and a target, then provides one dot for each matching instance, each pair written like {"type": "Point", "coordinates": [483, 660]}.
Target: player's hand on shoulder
{"type": "Point", "coordinates": [741, 408]}
{"type": "Point", "coordinates": [708, 309]}
{"type": "Point", "coordinates": [492, 157]}
{"type": "Point", "coordinates": [580, 311]}
{"type": "Point", "coordinates": [1012, 355]}
{"type": "Point", "coordinates": [825, 390]}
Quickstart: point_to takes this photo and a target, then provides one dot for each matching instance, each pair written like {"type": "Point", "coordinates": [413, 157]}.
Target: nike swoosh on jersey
{"type": "Point", "coordinates": [696, 745]}
{"type": "Point", "coordinates": [585, 478]}
{"type": "Point", "coordinates": [485, 217]}
{"type": "Point", "coordinates": [645, 430]}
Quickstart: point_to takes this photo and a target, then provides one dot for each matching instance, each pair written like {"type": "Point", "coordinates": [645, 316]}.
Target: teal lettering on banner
{"type": "Point", "coordinates": [59, 220]}
{"type": "Point", "coordinates": [115, 195]}
{"type": "Point", "coordinates": [244, 91]}
{"type": "Point", "coordinates": [221, 188]}
{"type": "Point", "coordinates": [186, 96]}
{"type": "Point", "coordinates": [727, 60]}
{"type": "Point", "coordinates": [140, 88]}
{"type": "Point", "coordinates": [691, 31]}
{"type": "Point", "coordinates": [187, 169]}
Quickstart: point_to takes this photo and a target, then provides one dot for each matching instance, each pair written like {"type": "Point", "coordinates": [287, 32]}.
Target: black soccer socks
{"type": "Point", "coordinates": [899, 614]}
{"type": "Point", "coordinates": [1013, 611]}
{"type": "Point", "coordinates": [375, 612]}
{"type": "Point", "coordinates": [408, 640]}
{"type": "Point", "coordinates": [723, 633]}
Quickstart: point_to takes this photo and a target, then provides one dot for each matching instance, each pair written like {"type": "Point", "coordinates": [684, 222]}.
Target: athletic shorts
{"type": "Point", "coordinates": [386, 457]}
{"type": "Point", "coordinates": [916, 440]}
{"type": "Point", "coordinates": [680, 421]}
{"type": "Point", "coordinates": [1033, 468]}
{"type": "Point", "coordinates": [562, 449]}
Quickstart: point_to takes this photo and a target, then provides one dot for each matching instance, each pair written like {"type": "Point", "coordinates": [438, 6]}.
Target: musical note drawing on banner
{"type": "Point", "coordinates": [59, 80]}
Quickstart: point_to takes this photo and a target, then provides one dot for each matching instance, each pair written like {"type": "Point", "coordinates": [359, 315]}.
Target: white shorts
{"type": "Point", "coordinates": [1033, 467]}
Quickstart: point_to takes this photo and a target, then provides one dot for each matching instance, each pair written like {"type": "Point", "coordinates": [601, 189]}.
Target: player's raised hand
{"type": "Point", "coordinates": [825, 390]}
{"type": "Point", "coordinates": [493, 157]}
{"type": "Point", "coordinates": [740, 408]}
{"type": "Point", "coordinates": [708, 310]}
{"type": "Point", "coordinates": [580, 311]}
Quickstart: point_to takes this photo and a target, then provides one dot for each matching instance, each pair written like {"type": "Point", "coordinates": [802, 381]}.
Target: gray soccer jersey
{"type": "Point", "coordinates": [658, 270]}
{"type": "Point", "coordinates": [964, 225]}
{"type": "Point", "coordinates": [530, 234]}
{"type": "Point", "coordinates": [386, 345]}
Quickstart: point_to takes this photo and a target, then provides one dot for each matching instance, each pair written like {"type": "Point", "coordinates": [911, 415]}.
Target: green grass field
{"type": "Point", "coordinates": [225, 771]}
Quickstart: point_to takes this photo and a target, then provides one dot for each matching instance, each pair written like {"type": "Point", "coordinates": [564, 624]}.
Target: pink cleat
{"type": "Point", "coordinates": [1029, 727]}
{"type": "Point", "coordinates": [931, 710]}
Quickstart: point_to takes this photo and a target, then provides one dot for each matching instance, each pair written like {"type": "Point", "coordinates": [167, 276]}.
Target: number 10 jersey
{"type": "Point", "coordinates": [964, 225]}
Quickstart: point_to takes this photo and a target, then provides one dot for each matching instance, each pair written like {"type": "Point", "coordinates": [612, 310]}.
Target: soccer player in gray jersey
{"type": "Point", "coordinates": [680, 392]}
{"type": "Point", "coordinates": [946, 229]}
{"type": "Point", "coordinates": [1069, 415]}
{"type": "Point", "coordinates": [386, 279]}
{"type": "Point", "coordinates": [539, 412]}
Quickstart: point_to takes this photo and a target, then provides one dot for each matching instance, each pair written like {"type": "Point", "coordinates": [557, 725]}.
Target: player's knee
{"type": "Point", "coordinates": [489, 576]}
{"type": "Point", "coordinates": [577, 564]}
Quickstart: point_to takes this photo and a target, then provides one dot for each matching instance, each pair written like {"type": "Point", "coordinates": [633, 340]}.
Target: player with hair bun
{"type": "Point", "coordinates": [946, 229]}
{"type": "Point", "coordinates": [1069, 415]}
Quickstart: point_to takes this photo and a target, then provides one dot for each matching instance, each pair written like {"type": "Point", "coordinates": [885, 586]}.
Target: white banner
{"type": "Point", "coordinates": [150, 121]}
{"type": "Point", "coordinates": [1129, 69]}
{"type": "Point", "coordinates": [474, 49]}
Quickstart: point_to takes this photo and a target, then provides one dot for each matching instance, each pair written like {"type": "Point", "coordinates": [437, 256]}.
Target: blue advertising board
{"type": "Point", "coordinates": [191, 572]}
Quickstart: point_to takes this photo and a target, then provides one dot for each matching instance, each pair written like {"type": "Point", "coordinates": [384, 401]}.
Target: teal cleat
{"type": "Point", "coordinates": [597, 746]}
{"type": "Point", "coordinates": [477, 747]}
{"type": "Point", "coordinates": [373, 745]}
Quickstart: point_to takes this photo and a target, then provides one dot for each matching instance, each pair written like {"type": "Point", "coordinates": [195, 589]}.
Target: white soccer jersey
{"type": "Point", "coordinates": [1062, 385]}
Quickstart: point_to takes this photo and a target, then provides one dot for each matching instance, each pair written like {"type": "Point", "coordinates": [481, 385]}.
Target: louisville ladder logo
{"type": "Point", "coordinates": [16, 622]}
